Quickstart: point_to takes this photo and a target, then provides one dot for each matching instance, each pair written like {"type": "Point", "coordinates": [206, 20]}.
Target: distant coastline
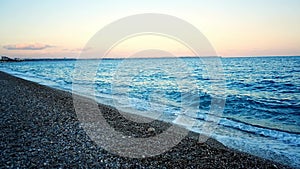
{"type": "Point", "coordinates": [10, 59]}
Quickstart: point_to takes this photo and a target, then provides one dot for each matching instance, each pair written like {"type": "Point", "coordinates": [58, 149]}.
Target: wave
{"type": "Point", "coordinates": [286, 136]}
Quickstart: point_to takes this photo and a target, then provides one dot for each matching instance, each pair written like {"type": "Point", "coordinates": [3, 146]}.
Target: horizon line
{"type": "Point", "coordinates": [162, 57]}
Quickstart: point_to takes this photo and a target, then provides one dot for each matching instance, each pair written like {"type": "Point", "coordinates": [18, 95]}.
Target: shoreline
{"type": "Point", "coordinates": [40, 128]}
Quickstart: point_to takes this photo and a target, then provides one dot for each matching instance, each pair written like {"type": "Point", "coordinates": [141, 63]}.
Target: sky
{"type": "Point", "coordinates": [62, 28]}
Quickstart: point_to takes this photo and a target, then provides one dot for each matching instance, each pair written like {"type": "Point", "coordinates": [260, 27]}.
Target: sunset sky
{"type": "Point", "coordinates": [61, 28]}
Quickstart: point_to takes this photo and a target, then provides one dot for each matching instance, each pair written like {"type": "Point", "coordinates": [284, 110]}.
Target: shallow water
{"type": "Point", "coordinates": [262, 111]}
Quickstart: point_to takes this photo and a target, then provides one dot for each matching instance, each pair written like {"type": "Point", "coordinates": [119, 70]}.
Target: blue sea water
{"type": "Point", "coordinates": [262, 111]}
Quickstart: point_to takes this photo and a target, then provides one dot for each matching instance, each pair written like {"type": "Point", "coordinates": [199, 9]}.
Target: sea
{"type": "Point", "coordinates": [260, 113]}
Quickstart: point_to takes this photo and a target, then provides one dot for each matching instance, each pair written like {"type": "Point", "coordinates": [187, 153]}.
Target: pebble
{"type": "Point", "coordinates": [151, 129]}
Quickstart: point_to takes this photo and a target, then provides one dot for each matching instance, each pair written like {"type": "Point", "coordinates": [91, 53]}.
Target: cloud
{"type": "Point", "coordinates": [36, 46]}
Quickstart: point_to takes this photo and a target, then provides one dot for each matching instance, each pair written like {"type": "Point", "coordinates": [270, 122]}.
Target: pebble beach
{"type": "Point", "coordinates": [40, 129]}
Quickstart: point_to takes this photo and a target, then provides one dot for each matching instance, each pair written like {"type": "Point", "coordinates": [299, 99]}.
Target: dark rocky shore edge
{"type": "Point", "coordinates": [40, 129]}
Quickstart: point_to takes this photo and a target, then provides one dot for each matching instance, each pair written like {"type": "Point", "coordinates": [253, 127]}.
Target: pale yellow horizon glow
{"type": "Point", "coordinates": [129, 47]}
